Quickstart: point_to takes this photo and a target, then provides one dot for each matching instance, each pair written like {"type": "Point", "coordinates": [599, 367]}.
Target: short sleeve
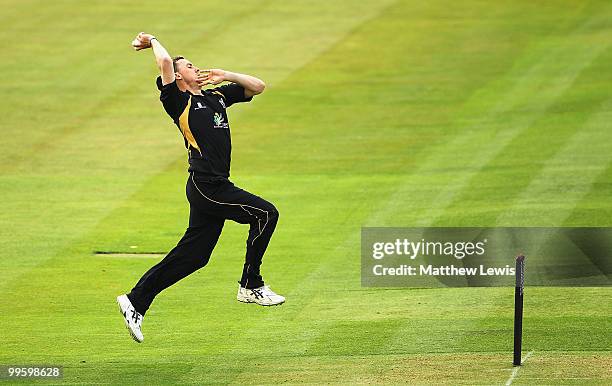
{"type": "Point", "coordinates": [173, 99]}
{"type": "Point", "coordinates": [232, 93]}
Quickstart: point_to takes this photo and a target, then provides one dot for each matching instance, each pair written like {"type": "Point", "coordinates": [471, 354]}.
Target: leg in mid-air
{"type": "Point", "coordinates": [190, 254]}
{"type": "Point", "coordinates": [229, 201]}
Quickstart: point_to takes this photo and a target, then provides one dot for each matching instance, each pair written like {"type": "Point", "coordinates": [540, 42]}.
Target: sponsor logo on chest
{"type": "Point", "coordinates": [219, 121]}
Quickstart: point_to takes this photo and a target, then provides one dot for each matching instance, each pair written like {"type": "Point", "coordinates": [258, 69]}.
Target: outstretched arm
{"type": "Point", "coordinates": [162, 57]}
{"type": "Point", "coordinates": [252, 85]}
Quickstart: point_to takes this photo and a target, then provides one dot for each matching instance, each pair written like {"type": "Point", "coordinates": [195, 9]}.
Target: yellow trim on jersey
{"type": "Point", "coordinates": [184, 125]}
{"type": "Point", "coordinates": [218, 92]}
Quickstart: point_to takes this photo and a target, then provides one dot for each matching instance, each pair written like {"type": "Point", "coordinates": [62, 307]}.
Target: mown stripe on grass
{"type": "Point", "coordinates": [594, 208]}
{"type": "Point", "coordinates": [505, 177]}
{"type": "Point", "coordinates": [538, 81]}
{"type": "Point", "coordinates": [330, 271]}
{"type": "Point", "coordinates": [539, 84]}
{"type": "Point", "coordinates": [128, 141]}
{"type": "Point", "coordinates": [566, 177]}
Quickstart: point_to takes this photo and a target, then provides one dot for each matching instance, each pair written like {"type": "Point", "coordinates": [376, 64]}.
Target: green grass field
{"type": "Point", "coordinates": [377, 113]}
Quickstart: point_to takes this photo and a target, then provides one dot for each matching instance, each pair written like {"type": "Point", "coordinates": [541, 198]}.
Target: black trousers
{"type": "Point", "coordinates": [211, 202]}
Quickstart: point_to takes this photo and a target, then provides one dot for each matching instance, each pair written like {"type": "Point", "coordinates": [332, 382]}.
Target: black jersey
{"type": "Point", "coordinates": [202, 120]}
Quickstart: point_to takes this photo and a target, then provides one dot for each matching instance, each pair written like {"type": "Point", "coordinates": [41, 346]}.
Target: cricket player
{"type": "Point", "coordinates": [201, 116]}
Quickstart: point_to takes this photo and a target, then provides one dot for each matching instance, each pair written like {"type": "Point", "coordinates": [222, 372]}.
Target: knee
{"type": "Point", "coordinates": [273, 213]}
{"type": "Point", "coordinates": [201, 262]}
{"type": "Point", "coordinates": [264, 214]}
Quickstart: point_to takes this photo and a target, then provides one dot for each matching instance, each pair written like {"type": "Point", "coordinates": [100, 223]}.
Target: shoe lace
{"type": "Point", "coordinates": [267, 291]}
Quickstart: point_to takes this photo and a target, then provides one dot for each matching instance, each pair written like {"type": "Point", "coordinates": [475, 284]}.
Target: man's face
{"type": "Point", "coordinates": [187, 71]}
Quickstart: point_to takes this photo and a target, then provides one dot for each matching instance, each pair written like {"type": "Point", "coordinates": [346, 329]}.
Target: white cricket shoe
{"type": "Point", "coordinates": [263, 296]}
{"type": "Point", "coordinates": [131, 317]}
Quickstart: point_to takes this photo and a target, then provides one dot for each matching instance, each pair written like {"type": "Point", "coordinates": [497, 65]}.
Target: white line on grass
{"type": "Point", "coordinates": [516, 369]}
{"type": "Point", "coordinates": [131, 255]}
{"type": "Point", "coordinates": [543, 74]}
{"type": "Point", "coordinates": [305, 286]}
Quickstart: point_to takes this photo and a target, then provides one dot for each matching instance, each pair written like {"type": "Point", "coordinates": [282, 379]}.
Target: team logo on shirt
{"type": "Point", "coordinates": [220, 121]}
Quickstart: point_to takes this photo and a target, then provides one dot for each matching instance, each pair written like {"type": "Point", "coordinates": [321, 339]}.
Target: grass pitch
{"type": "Point", "coordinates": [378, 113]}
